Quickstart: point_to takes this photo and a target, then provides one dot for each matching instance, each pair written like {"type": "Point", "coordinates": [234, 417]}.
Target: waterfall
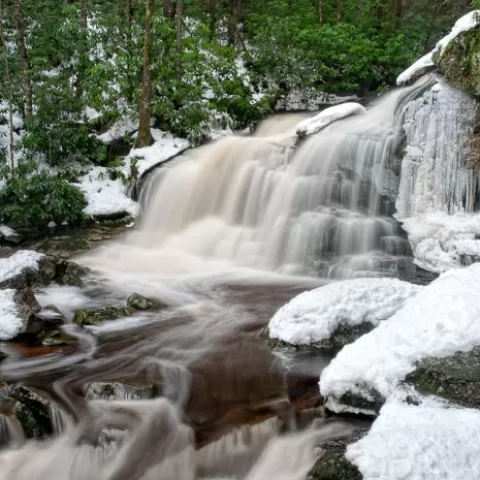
{"type": "Point", "coordinates": [322, 209]}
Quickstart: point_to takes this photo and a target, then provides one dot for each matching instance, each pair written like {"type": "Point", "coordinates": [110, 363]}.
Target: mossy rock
{"type": "Point", "coordinates": [455, 378]}
{"type": "Point", "coordinates": [139, 302]}
{"type": "Point", "coordinates": [341, 336]}
{"type": "Point", "coordinates": [96, 316]}
{"type": "Point", "coordinates": [333, 465]}
{"type": "Point", "coordinates": [460, 62]}
{"type": "Point", "coordinates": [121, 391]}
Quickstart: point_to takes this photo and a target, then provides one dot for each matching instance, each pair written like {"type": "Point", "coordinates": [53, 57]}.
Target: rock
{"type": "Point", "coordinates": [139, 302]}
{"type": "Point", "coordinates": [51, 314]}
{"type": "Point", "coordinates": [28, 309]}
{"type": "Point", "coordinates": [70, 273]}
{"type": "Point", "coordinates": [455, 378]}
{"type": "Point", "coordinates": [333, 465]}
{"type": "Point", "coordinates": [460, 62]}
{"type": "Point", "coordinates": [8, 235]}
{"type": "Point", "coordinates": [96, 316]}
{"type": "Point", "coordinates": [121, 391]}
{"type": "Point", "coordinates": [57, 338]}
{"type": "Point", "coordinates": [46, 273]}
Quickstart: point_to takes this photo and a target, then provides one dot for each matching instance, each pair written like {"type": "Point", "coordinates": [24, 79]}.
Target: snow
{"type": "Point", "coordinates": [463, 24]}
{"type": "Point", "coordinates": [297, 100]}
{"type": "Point", "coordinates": [165, 147]}
{"type": "Point", "coordinates": [118, 130]}
{"type": "Point", "coordinates": [439, 321]}
{"type": "Point", "coordinates": [422, 442]}
{"type": "Point", "coordinates": [416, 70]}
{"type": "Point", "coordinates": [19, 261]}
{"type": "Point", "coordinates": [314, 315]}
{"type": "Point", "coordinates": [442, 241]}
{"type": "Point", "coordinates": [6, 231]}
{"type": "Point", "coordinates": [10, 322]}
{"type": "Point", "coordinates": [328, 116]}
{"type": "Point", "coordinates": [105, 196]}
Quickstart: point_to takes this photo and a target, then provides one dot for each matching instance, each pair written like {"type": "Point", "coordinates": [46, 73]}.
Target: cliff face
{"type": "Point", "coordinates": [460, 62]}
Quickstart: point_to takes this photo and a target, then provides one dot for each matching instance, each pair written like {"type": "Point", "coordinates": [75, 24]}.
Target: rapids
{"type": "Point", "coordinates": [228, 233]}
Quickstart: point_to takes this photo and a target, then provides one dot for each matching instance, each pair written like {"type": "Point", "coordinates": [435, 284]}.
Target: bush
{"type": "Point", "coordinates": [34, 200]}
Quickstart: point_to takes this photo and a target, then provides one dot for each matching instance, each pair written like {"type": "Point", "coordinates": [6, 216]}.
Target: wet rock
{"type": "Point", "coordinates": [57, 338]}
{"type": "Point", "coordinates": [121, 391]}
{"type": "Point", "coordinates": [341, 336]}
{"type": "Point", "coordinates": [139, 302]}
{"type": "Point", "coordinates": [96, 316]}
{"type": "Point", "coordinates": [10, 236]}
{"type": "Point", "coordinates": [28, 309]}
{"type": "Point", "coordinates": [71, 273]}
{"type": "Point", "coordinates": [460, 62]}
{"type": "Point", "coordinates": [455, 378]}
{"type": "Point", "coordinates": [333, 465]}
{"type": "Point", "coordinates": [52, 314]}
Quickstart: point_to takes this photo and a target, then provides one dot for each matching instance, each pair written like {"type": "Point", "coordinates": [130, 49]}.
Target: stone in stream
{"type": "Point", "coordinates": [96, 316]}
{"type": "Point", "coordinates": [139, 302]}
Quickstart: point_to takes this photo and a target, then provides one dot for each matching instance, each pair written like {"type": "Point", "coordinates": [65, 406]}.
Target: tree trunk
{"type": "Point", "coordinates": [179, 22]}
{"type": "Point", "coordinates": [398, 13]}
{"type": "Point", "coordinates": [83, 54]}
{"type": "Point", "coordinates": [9, 88]}
{"type": "Point", "coordinates": [144, 138]}
{"type": "Point", "coordinates": [233, 21]}
{"type": "Point", "coordinates": [131, 73]}
{"type": "Point", "coordinates": [22, 49]}
{"type": "Point", "coordinates": [339, 11]}
{"type": "Point", "coordinates": [320, 12]}
{"type": "Point", "coordinates": [168, 9]}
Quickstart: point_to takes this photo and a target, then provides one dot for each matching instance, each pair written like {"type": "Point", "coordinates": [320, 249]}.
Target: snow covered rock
{"type": "Point", "coordinates": [422, 442]}
{"type": "Point", "coordinates": [328, 116]}
{"type": "Point", "coordinates": [10, 320]}
{"type": "Point", "coordinates": [439, 321]}
{"type": "Point", "coordinates": [430, 60]}
{"type": "Point", "coordinates": [338, 313]}
{"type": "Point", "coordinates": [14, 266]}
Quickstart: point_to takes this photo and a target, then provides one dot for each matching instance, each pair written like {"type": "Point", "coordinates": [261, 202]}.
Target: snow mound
{"type": "Point", "coordinates": [314, 315]}
{"type": "Point", "coordinates": [328, 116]}
{"type": "Point", "coordinates": [19, 261]}
{"type": "Point", "coordinates": [420, 443]}
{"type": "Point", "coordinates": [10, 322]}
{"type": "Point", "coordinates": [106, 197]}
{"type": "Point", "coordinates": [439, 321]}
{"type": "Point", "coordinates": [463, 24]}
{"type": "Point", "coordinates": [118, 130]}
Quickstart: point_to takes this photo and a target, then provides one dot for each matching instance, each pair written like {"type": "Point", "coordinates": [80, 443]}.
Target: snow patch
{"type": "Point", "coordinates": [420, 443]}
{"type": "Point", "coordinates": [298, 100]}
{"type": "Point", "coordinates": [105, 197]}
{"type": "Point", "coordinates": [439, 321]}
{"type": "Point", "coordinates": [19, 261]}
{"type": "Point", "coordinates": [328, 116]}
{"type": "Point", "coordinates": [10, 322]}
{"type": "Point", "coordinates": [463, 24]}
{"type": "Point", "coordinates": [314, 315]}
{"type": "Point", "coordinates": [118, 130]}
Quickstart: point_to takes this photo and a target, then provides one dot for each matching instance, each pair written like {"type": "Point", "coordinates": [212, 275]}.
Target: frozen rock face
{"type": "Point", "coordinates": [438, 187]}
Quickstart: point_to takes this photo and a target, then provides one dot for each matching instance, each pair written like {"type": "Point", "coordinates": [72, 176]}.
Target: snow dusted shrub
{"type": "Point", "coordinates": [35, 199]}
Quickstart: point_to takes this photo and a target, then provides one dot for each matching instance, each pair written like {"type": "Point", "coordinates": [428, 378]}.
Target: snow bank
{"type": "Point", "coordinates": [420, 443]}
{"type": "Point", "coordinates": [19, 261]}
{"type": "Point", "coordinates": [165, 147]}
{"type": "Point", "coordinates": [328, 116]}
{"type": "Point", "coordinates": [10, 322]}
{"type": "Point", "coordinates": [314, 315]}
{"type": "Point", "coordinates": [118, 130]}
{"type": "Point", "coordinates": [105, 197]}
{"type": "Point", "coordinates": [463, 24]}
{"type": "Point", "coordinates": [439, 321]}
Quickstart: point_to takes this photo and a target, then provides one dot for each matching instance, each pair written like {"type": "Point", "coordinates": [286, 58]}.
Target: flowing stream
{"type": "Point", "coordinates": [229, 233]}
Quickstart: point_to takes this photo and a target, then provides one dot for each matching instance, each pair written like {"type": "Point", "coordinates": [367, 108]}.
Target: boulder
{"type": "Point", "coordinates": [460, 61]}
{"type": "Point", "coordinates": [121, 391]}
{"type": "Point", "coordinates": [96, 316]}
{"type": "Point", "coordinates": [332, 465]}
{"type": "Point", "coordinates": [139, 302]}
{"type": "Point", "coordinates": [455, 378]}
{"type": "Point", "coordinates": [28, 309]}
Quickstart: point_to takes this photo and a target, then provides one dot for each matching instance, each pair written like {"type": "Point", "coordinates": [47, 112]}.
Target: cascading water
{"type": "Point", "coordinates": [323, 210]}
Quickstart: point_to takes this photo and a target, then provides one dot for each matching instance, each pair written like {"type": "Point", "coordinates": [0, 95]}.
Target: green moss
{"type": "Point", "coordinates": [460, 62]}
{"type": "Point", "coordinates": [96, 316]}
{"type": "Point", "coordinates": [455, 378]}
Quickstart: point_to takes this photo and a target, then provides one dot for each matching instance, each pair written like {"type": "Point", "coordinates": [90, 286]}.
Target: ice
{"type": "Point", "coordinates": [439, 321]}
{"type": "Point", "coordinates": [314, 315]}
